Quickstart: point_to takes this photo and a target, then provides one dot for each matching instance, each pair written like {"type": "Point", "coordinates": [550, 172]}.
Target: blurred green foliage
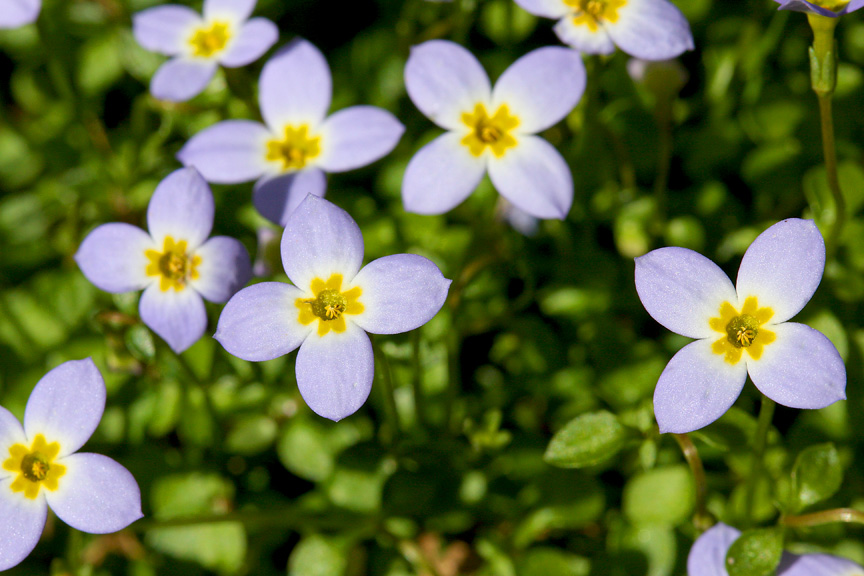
{"type": "Point", "coordinates": [543, 338]}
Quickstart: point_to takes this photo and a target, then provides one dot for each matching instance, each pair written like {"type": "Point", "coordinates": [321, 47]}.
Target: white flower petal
{"type": "Point", "coordinates": [11, 433]}
{"type": "Point", "coordinates": [229, 152]}
{"type": "Point", "coordinates": [534, 177]}
{"type": "Point", "coordinates": [320, 239]}
{"type": "Point", "coordinates": [253, 39]}
{"type": "Point", "coordinates": [261, 322]}
{"type": "Point", "coordinates": [441, 176]}
{"type": "Point", "coordinates": [444, 80]}
{"type": "Point", "coordinates": [276, 197]}
{"type": "Point", "coordinates": [400, 293]}
{"type": "Point", "coordinates": [335, 371]}
{"type": "Point", "coordinates": [696, 388]}
{"type": "Point", "coordinates": [708, 555]}
{"type": "Point", "coordinates": [66, 405]}
{"type": "Point", "coordinates": [178, 318]}
{"type": "Point", "coordinates": [237, 10]}
{"type": "Point", "coordinates": [541, 87]}
{"type": "Point", "coordinates": [682, 290]}
{"type": "Point", "coordinates": [817, 565]}
{"type": "Point", "coordinates": [21, 523]}
{"type": "Point", "coordinates": [112, 257]}
{"type": "Point", "coordinates": [582, 38]}
{"type": "Point", "coordinates": [181, 207]}
{"type": "Point", "coordinates": [783, 267]}
{"type": "Point", "coordinates": [651, 30]}
{"type": "Point", "coordinates": [545, 8]}
{"type": "Point", "coordinates": [224, 268]}
{"type": "Point", "coordinates": [96, 495]}
{"type": "Point", "coordinates": [295, 87]}
{"type": "Point", "coordinates": [800, 369]}
{"type": "Point", "coordinates": [165, 29]}
{"type": "Point", "coordinates": [180, 79]}
{"type": "Point", "coordinates": [358, 136]}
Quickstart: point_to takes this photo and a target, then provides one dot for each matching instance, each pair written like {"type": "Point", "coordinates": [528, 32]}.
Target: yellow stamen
{"type": "Point", "coordinates": [207, 41]}
{"type": "Point", "coordinates": [330, 305]}
{"type": "Point", "coordinates": [35, 467]}
{"type": "Point", "coordinates": [592, 13]}
{"type": "Point", "coordinates": [295, 150]}
{"type": "Point", "coordinates": [742, 331]}
{"type": "Point", "coordinates": [491, 132]}
{"type": "Point", "coordinates": [173, 265]}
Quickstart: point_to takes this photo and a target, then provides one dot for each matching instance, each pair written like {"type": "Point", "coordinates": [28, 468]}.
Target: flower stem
{"type": "Point", "coordinates": [847, 515]}
{"type": "Point", "coordinates": [417, 380]}
{"type": "Point", "coordinates": [823, 79]}
{"type": "Point", "coordinates": [391, 412]}
{"type": "Point", "coordinates": [766, 414]}
{"type": "Point", "coordinates": [701, 519]}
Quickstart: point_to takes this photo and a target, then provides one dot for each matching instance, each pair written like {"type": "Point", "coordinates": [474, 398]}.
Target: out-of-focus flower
{"type": "Point", "coordinates": [331, 306]}
{"type": "Point", "coordinates": [225, 36]}
{"type": "Point", "coordinates": [708, 558]}
{"type": "Point", "coordinates": [647, 29]}
{"type": "Point", "coordinates": [741, 329]}
{"type": "Point", "coordinates": [491, 128]}
{"type": "Point", "coordinates": [268, 252]}
{"type": "Point", "coordinates": [663, 78]}
{"type": "Point", "coordinates": [299, 143]}
{"type": "Point", "coordinates": [40, 467]}
{"type": "Point", "coordinates": [830, 8]}
{"type": "Point", "coordinates": [17, 13]}
{"type": "Point", "coordinates": [173, 263]}
{"type": "Point", "coordinates": [520, 220]}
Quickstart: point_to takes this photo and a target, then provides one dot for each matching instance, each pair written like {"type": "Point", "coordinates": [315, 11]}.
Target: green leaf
{"type": "Point", "coordinates": [549, 561]}
{"type": "Point", "coordinates": [251, 434]}
{"type": "Point", "coordinates": [586, 440]}
{"type": "Point", "coordinates": [755, 553]}
{"type": "Point", "coordinates": [817, 474]}
{"type": "Point", "coordinates": [317, 556]}
{"type": "Point", "coordinates": [660, 496]}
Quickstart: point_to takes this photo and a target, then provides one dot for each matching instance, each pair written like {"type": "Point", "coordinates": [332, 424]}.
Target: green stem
{"type": "Point", "coordinates": [417, 380]}
{"type": "Point", "coordinates": [766, 414]}
{"type": "Point", "coordinates": [391, 412]}
{"type": "Point", "coordinates": [208, 402]}
{"type": "Point", "coordinates": [701, 519]}
{"type": "Point", "coordinates": [846, 515]}
{"type": "Point", "coordinates": [823, 79]}
{"type": "Point", "coordinates": [663, 114]}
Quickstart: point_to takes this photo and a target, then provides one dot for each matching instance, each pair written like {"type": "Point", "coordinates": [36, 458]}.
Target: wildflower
{"type": "Point", "coordinates": [225, 36]}
{"type": "Point", "coordinates": [331, 306]}
{"type": "Point", "coordinates": [491, 129]}
{"type": "Point", "coordinates": [173, 263]}
{"type": "Point", "coordinates": [39, 466]}
{"type": "Point", "coordinates": [741, 329]}
{"type": "Point", "coordinates": [708, 558]}
{"type": "Point", "coordinates": [290, 155]}
{"type": "Point", "coordinates": [17, 13]}
{"type": "Point", "coordinates": [647, 29]}
{"type": "Point", "coordinates": [830, 8]}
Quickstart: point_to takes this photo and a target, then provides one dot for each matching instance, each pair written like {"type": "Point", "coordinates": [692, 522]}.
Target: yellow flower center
{"type": "Point", "coordinates": [489, 131]}
{"type": "Point", "coordinates": [592, 12]}
{"type": "Point", "coordinates": [210, 40]}
{"type": "Point", "coordinates": [174, 266]}
{"type": "Point", "coordinates": [742, 331]}
{"type": "Point", "coordinates": [295, 150]}
{"type": "Point", "coordinates": [329, 305]}
{"type": "Point", "coordinates": [831, 4]}
{"type": "Point", "coordinates": [35, 467]}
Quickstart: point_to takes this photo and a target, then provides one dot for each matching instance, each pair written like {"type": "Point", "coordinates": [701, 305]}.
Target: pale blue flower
{"type": "Point", "coordinates": [290, 153]}
{"type": "Point", "coordinates": [224, 35]}
{"type": "Point", "coordinates": [741, 329]}
{"type": "Point", "coordinates": [17, 13]}
{"type": "Point", "coordinates": [647, 29]}
{"type": "Point", "coordinates": [176, 264]}
{"type": "Point", "coordinates": [830, 8]}
{"type": "Point", "coordinates": [40, 466]}
{"type": "Point", "coordinates": [708, 558]}
{"type": "Point", "coordinates": [491, 129]}
{"type": "Point", "coordinates": [330, 307]}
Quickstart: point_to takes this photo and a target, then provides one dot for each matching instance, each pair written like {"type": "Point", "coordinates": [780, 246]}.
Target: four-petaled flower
{"type": "Point", "coordinates": [647, 29]}
{"type": "Point", "coordinates": [708, 558]}
{"type": "Point", "coordinates": [331, 306]}
{"type": "Point", "coordinates": [491, 129]}
{"type": "Point", "coordinates": [173, 263]}
{"type": "Point", "coordinates": [290, 155]}
{"type": "Point", "coordinates": [17, 13]}
{"type": "Point", "coordinates": [741, 329]}
{"type": "Point", "coordinates": [830, 8]}
{"type": "Point", "coordinates": [39, 467]}
{"type": "Point", "coordinates": [223, 36]}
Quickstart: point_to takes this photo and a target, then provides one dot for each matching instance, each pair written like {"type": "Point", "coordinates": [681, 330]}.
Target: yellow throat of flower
{"type": "Point", "coordinates": [834, 5]}
{"type": "Point", "coordinates": [173, 265]}
{"type": "Point", "coordinates": [330, 305]}
{"type": "Point", "coordinates": [491, 132]}
{"type": "Point", "coordinates": [295, 150]}
{"type": "Point", "coordinates": [742, 331]}
{"type": "Point", "coordinates": [592, 12]}
{"type": "Point", "coordinates": [35, 467]}
{"type": "Point", "coordinates": [209, 40]}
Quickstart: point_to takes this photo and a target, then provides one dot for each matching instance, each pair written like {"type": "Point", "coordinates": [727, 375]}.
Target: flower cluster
{"type": "Point", "coordinates": [708, 558]}
{"type": "Point", "coordinates": [175, 263]}
{"type": "Point", "coordinates": [225, 36]}
{"type": "Point", "coordinates": [330, 307]}
{"type": "Point", "coordinates": [290, 154]}
{"type": "Point", "coordinates": [40, 466]}
{"type": "Point", "coordinates": [741, 329]}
